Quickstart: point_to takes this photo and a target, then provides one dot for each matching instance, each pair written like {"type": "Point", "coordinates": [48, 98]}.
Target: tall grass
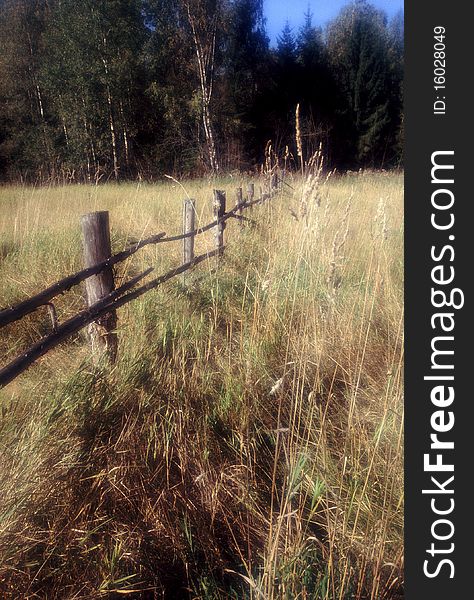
{"type": "Point", "coordinates": [248, 442]}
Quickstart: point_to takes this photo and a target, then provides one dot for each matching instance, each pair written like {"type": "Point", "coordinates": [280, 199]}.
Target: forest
{"type": "Point", "coordinates": [104, 90]}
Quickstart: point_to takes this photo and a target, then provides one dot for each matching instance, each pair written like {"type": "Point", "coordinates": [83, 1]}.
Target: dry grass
{"type": "Point", "coordinates": [248, 443]}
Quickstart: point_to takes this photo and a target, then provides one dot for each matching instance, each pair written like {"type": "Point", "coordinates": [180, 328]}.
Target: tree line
{"type": "Point", "coordinates": [97, 89]}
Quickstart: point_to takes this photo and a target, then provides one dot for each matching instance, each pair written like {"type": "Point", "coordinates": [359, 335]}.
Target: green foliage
{"type": "Point", "coordinates": [92, 76]}
{"type": "Point", "coordinates": [91, 90]}
{"type": "Point", "coordinates": [358, 44]}
{"type": "Point", "coordinates": [25, 141]}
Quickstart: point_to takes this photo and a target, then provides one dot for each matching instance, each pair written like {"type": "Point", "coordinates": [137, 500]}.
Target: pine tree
{"type": "Point", "coordinates": [247, 74]}
{"type": "Point", "coordinates": [358, 47]}
{"type": "Point", "coordinates": [285, 95]}
{"type": "Point", "coordinates": [310, 46]}
{"type": "Point", "coordinates": [316, 85]}
{"type": "Point", "coordinates": [396, 50]}
{"type": "Point", "coordinates": [286, 48]}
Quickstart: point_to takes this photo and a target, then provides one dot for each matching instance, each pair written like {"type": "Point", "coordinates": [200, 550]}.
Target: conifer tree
{"type": "Point", "coordinates": [358, 48]}
{"type": "Point", "coordinates": [395, 91]}
{"type": "Point", "coordinates": [286, 94]}
{"type": "Point", "coordinates": [316, 85]}
{"type": "Point", "coordinates": [247, 74]}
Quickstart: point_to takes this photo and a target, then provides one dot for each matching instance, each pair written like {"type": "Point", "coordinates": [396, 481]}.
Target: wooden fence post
{"type": "Point", "coordinates": [219, 212]}
{"type": "Point", "coordinates": [273, 182]}
{"type": "Point", "coordinates": [250, 193]}
{"type": "Point", "coordinates": [238, 204]}
{"type": "Point", "coordinates": [189, 224]}
{"type": "Point", "coordinates": [96, 246]}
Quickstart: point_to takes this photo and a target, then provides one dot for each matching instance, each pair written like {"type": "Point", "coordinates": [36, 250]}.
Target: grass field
{"type": "Point", "coordinates": [248, 442]}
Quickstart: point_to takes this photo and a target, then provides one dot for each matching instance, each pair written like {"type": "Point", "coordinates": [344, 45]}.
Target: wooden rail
{"type": "Point", "coordinates": [89, 315]}
{"type": "Point", "coordinates": [103, 299]}
{"type": "Point", "coordinates": [13, 313]}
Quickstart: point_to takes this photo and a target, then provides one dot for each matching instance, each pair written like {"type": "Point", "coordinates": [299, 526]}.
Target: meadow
{"type": "Point", "coordinates": [248, 442]}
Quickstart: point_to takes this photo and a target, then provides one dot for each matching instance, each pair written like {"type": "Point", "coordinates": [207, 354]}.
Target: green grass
{"type": "Point", "coordinates": [248, 442]}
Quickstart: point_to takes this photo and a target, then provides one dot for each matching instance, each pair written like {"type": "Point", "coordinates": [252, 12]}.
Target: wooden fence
{"type": "Point", "coordinates": [103, 298]}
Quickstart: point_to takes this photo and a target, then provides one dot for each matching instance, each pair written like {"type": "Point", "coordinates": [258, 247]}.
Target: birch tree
{"type": "Point", "coordinates": [204, 17]}
{"type": "Point", "coordinates": [93, 78]}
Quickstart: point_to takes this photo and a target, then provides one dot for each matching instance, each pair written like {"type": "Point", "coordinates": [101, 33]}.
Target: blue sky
{"type": "Point", "coordinates": [278, 12]}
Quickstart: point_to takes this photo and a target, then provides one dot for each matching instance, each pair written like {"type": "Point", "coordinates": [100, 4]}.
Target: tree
{"type": "Point", "coordinates": [171, 140]}
{"type": "Point", "coordinates": [316, 85]}
{"type": "Point", "coordinates": [247, 74]}
{"type": "Point", "coordinates": [285, 95]}
{"type": "Point", "coordinates": [205, 19]}
{"type": "Point", "coordinates": [358, 49]}
{"type": "Point", "coordinates": [396, 53]}
{"type": "Point", "coordinates": [286, 47]}
{"type": "Point", "coordinates": [25, 139]}
{"type": "Point", "coordinates": [92, 73]}
{"type": "Point", "coordinates": [309, 43]}
{"type": "Point", "coordinates": [185, 41]}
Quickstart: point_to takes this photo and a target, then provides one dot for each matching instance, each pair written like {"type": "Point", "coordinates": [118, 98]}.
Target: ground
{"type": "Point", "coordinates": [248, 441]}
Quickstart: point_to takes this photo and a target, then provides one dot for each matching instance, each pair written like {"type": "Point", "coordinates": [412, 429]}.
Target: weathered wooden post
{"type": "Point", "coordinates": [189, 221]}
{"type": "Point", "coordinates": [238, 204]}
{"type": "Point", "coordinates": [273, 182]}
{"type": "Point", "coordinates": [219, 212]}
{"type": "Point", "coordinates": [250, 193]}
{"type": "Point", "coordinates": [96, 246]}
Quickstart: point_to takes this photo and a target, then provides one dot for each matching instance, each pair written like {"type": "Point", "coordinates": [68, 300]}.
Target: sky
{"type": "Point", "coordinates": [278, 12]}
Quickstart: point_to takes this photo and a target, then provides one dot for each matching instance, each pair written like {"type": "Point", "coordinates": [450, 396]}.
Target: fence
{"type": "Point", "coordinates": [103, 298]}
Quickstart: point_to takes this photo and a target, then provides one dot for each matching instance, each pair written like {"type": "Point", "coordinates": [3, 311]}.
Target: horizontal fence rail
{"type": "Point", "coordinates": [111, 302]}
{"type": "Point", "coordinates": [9, 315]}
{"type": "Point", "coordinates": [125, 293]}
